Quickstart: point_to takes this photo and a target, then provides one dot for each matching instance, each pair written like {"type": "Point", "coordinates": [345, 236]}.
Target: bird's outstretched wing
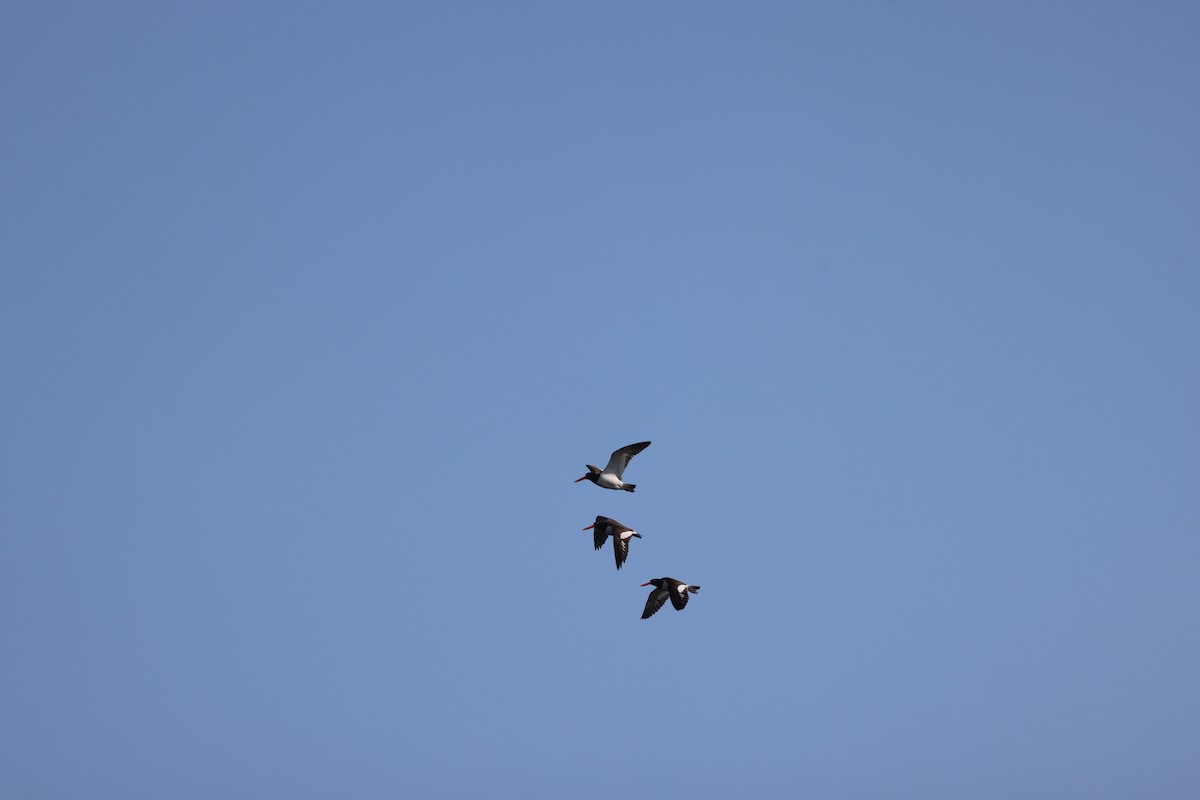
{"type": "Point", "coordinates": [654, 602]}
{"type": "Point", "coordinates": [621, 537]}
{"type": "Point", "coordinates": [679, 595]}
{"type": "Point", "coordinates": [600, 531]}
{"type": "Point", "coordinates": [620, 458]}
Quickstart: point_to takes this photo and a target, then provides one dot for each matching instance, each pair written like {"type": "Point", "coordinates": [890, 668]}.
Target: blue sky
{"type": "Point", "coordinates": [311, 314]}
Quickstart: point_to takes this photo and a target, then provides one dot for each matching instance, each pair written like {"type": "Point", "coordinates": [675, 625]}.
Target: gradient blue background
{"type": "Point", "coordinates": [310, 314]}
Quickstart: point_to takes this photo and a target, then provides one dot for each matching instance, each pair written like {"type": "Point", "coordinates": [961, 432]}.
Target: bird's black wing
{"type": "Point", "coordinates": [620, 458]}
{"type": "Point", "coordinates": [679, 595]}
{"type": "Point", "coordinates": [620, 545]}
{"type": "Point", "coordinates": [654, 602]}
{"type": "Point", "coordinates": [600, 531]}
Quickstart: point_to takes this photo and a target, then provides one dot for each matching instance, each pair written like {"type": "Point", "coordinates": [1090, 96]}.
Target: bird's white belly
{"type": "Point", "coordinates": [609, 481]}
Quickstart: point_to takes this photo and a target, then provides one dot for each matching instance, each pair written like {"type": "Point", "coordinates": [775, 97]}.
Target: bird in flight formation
{"type": "Point", "coordinates": [604, 527]}
{"type": "Point", "coordinates": [664, 588]}
{"type": "Point", "coordinates": [611, 477]}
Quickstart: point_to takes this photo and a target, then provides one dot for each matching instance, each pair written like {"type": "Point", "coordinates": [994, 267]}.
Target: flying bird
{"type": "Point", "coordinates": [665, 588]}
{"type": "Point", "coordinates": [604, 527]}
{"type": "Point", "coordinates": [610, 476]}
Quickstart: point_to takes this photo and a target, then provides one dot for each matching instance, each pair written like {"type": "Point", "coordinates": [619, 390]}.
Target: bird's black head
{"type": "Point", "coordinates": [593, 474]}
{"type": "Point", "coordinates": [601, 523]}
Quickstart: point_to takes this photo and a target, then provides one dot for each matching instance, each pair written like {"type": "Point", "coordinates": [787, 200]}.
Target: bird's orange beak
{"type": "Point", "coordinates": [647, 583]}
{"type": "Point", "coordinates": [583, 478]}
{"type": "Point", "coordinates": [589, 527]}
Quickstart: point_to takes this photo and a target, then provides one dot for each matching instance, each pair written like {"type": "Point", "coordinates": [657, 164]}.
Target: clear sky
{"type": "Point", "coordinates": [310, 314]}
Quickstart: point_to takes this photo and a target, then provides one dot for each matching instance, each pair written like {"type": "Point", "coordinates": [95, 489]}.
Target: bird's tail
{"type": "Point", "coordinates": [629, 487]}
{"type": "Point", "coordinates": [694, 589]}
